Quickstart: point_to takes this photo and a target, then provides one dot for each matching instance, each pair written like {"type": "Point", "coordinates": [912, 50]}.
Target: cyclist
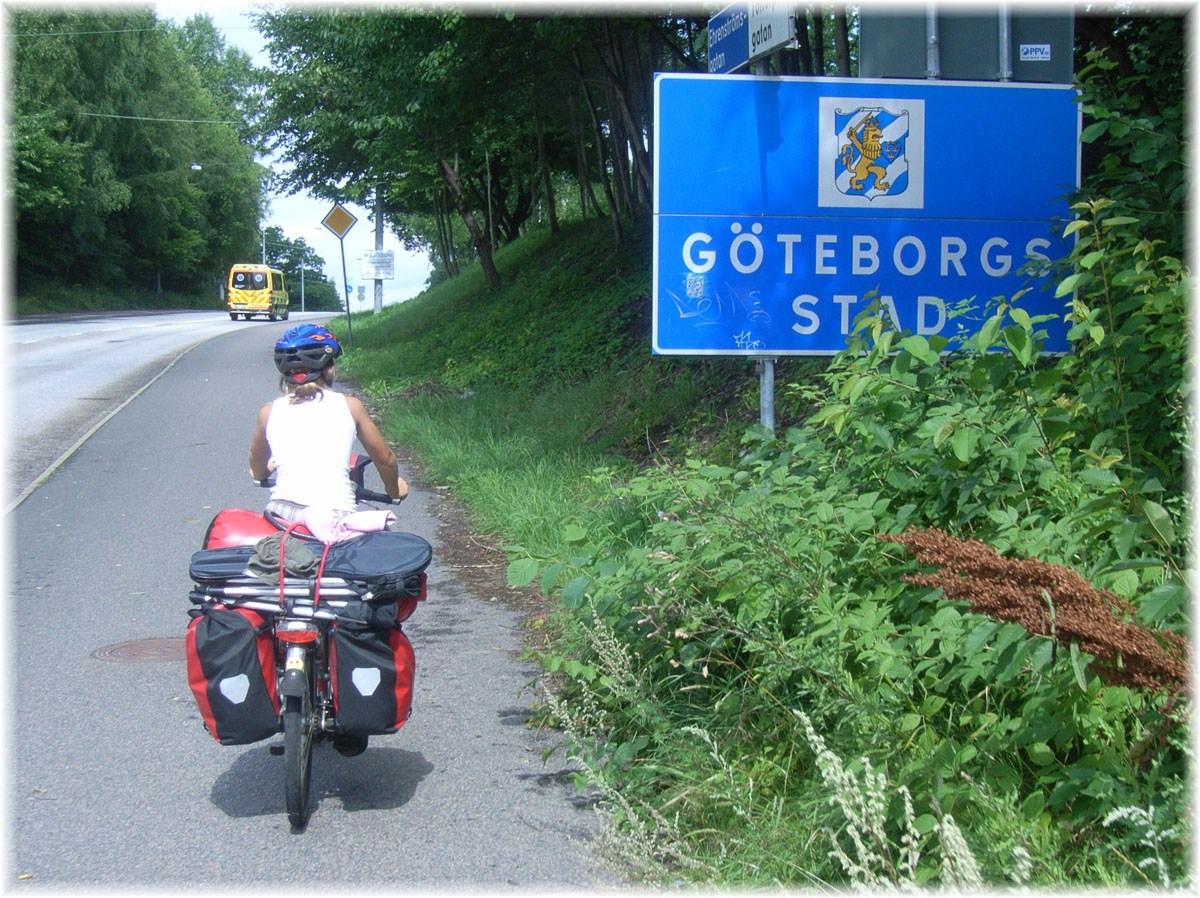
{"type": "Point", "coordinates": [306, 436]}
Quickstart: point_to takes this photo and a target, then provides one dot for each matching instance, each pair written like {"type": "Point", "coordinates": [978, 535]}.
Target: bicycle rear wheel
{"type": "Point", "coordinates": [297, 756]}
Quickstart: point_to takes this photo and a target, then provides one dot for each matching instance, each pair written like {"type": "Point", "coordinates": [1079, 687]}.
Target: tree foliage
{"type": "Point", "coordinates": [303, 268]}
{"type": "Point", "coordinates": [466, 126]}
{"type": "Point", "coordinates": [133, 151]}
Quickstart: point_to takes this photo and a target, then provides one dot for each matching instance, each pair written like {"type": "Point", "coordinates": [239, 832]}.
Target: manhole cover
{"type": "Point", "coordinates": [170, 649]}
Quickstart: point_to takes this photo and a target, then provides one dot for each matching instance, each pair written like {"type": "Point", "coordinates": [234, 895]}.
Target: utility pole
{"type": "Point", "coordinates": [378, 248]}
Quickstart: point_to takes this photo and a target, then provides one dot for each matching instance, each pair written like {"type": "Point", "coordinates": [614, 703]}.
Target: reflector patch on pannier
{"type": "Point", "coordinates": [235, 688]}
{"type": "Point", "coordinates": [366, 679]}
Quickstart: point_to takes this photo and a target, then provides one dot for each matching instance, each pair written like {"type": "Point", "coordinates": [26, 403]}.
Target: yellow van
{"type": "Point", "coordinates": [256, 290]}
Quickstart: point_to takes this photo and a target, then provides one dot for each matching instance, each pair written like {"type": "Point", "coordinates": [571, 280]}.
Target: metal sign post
{"type": "Point", "coordinates": [766, 364]}
{"type": "Point", "coordinates": [378, 249]}
{"type": "Point", "coordinates": [339, 221]}
{"type": "Point", "coordinates": [747, 33]}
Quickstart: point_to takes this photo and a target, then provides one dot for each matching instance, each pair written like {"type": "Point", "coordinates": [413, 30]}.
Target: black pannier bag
{"type": "Point", "coordinates": [372, 674]}
{"type": "Point", "coordinates": [231, 670]}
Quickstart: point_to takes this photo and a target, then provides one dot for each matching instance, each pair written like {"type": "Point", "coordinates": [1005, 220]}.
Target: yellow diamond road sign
{"type": "Point", "coordinates": [339, 220]}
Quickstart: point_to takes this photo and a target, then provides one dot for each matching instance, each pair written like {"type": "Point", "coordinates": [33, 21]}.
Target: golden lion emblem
{"type": "Point", "coordinates": [867, 138]}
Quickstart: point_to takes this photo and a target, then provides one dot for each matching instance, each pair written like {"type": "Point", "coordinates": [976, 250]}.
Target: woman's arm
{"type": "Point", "coordinates": [260, 450]}
{"type": "Point", "coordinates": [377, 447]}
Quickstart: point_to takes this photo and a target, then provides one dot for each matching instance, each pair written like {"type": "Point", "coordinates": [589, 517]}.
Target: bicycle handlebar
{"type": "Point", "coordinates": [366, 495]}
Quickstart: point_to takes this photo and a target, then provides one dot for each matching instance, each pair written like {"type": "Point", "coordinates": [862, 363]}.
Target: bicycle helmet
{"type": "Point", "coordinates": [304, 352]}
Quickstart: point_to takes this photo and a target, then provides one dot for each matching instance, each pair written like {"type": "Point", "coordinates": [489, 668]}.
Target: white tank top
{"type": "Point", "coordinates": [311, 443]}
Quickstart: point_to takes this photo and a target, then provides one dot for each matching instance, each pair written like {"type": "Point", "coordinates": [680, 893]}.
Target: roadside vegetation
{"type": "Point", "coordinates": [56, 300]}
{"type": "Point", "coordinates": [934, 631]}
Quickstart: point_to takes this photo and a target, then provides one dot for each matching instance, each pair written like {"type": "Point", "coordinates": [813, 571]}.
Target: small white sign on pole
{"type": "Point", "coordinates": [379, 265]}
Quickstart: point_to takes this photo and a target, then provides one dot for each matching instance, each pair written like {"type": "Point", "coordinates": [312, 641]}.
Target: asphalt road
{"type": "Point", "coordinates": [113, 781]}
{"type": "Point", "coordinates": [72, 371]}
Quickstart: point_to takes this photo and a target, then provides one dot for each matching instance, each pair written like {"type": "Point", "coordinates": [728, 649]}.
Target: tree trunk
{"type": "Point", "coordinates": [804, 48]}
{"type": "Point", "coordinates": [618, 154]}
{"type": "Point", "coordinates": [841, 41]}
{"type": "Point", "coordinates": [445, 234]}
{"type": "Point", "coordinates": [587, 195]}
{"type": "Point", "coordinates": [644, 91]}
{"type": "Point", "coordinates": [818, 41]}
{"type": "Point", "coordinates": [614, 213]}
{"type": "Point", "coordinates": [491, 215]}
{"type": "Point", "coordinates": [482, 245]}
{"type": "Point", "coordinates": [619, 104]}
{"type": "Point", "coordinates": [547, 185]}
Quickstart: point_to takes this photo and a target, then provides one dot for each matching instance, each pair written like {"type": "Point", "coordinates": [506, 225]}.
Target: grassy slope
{"type": "Point", "coordinates": [558, 360]}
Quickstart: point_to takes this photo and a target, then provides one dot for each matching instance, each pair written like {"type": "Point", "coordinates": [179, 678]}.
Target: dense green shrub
{"type": "Point", "coordinates": [742, 599]}
{"type": "Point", "coordinates": [744, 594]}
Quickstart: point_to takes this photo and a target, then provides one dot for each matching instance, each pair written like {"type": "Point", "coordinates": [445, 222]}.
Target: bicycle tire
{"type": "Point", "coordinates": [297, 757]}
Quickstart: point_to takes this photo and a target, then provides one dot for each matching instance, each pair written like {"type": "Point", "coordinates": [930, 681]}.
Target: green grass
{"type": "Point", "coordinates": [514, 396]}
{"type": "Point", "coordinates": [48, 300]}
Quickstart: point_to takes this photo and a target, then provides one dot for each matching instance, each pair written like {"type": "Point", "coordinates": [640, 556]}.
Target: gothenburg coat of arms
{"type": "Point", "coordinates": [871, 161]}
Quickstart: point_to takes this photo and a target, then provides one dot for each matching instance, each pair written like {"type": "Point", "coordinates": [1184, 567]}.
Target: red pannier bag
{"type": "Point", "coordinates": [372, 672]}
{"type": "Point", "coordinates": [237, 527]}
{"type": "Point", "coordinates": [231, 670]}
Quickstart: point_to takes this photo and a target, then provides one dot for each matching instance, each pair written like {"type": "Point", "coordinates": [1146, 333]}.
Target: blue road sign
{"type": "Point", "coordinates": [729, 39]}
{"type": "Point", "coordinates": [743, 32]}
{"type": "Point", "coordinates": [784, 206]}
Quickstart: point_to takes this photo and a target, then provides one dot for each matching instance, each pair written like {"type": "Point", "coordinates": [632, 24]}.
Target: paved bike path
{"type": "Point", "coordinates": [113, 781]}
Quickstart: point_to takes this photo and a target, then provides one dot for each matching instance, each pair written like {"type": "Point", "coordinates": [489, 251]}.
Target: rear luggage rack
{"type": "Point", "coordinates": [296, 587]}
{"type": "Point", "coordinates": [270, 606]}
{"type": "Point", "coordinates": [329, 587]}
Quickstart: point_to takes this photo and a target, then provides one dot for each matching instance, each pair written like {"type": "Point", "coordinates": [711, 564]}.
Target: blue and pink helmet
{"type": "Point", "coordinates": [304, 352]}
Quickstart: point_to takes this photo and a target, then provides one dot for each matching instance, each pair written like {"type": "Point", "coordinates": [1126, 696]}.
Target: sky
{"type": "Point", "coordinates": [300, 215]}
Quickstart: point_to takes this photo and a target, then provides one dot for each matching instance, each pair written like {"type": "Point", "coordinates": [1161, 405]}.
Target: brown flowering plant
{"type": "Point", "coordinates": [1055, 602]}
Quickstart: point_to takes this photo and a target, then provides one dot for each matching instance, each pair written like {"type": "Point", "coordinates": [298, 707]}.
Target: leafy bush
{"type": "Point", "coordinates": [743, 595]}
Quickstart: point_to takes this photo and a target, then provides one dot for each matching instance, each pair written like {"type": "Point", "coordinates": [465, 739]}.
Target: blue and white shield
{"type": "Point", "coordinates": [872, 158]}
